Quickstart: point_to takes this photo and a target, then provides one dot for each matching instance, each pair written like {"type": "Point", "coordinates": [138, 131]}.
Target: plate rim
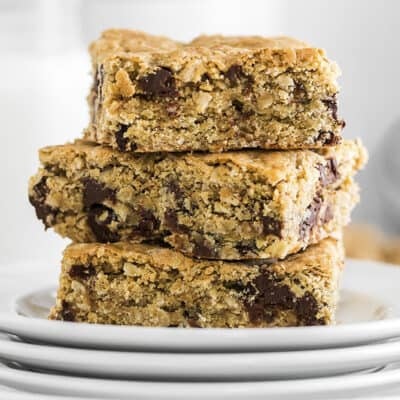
{"type": "Point", "coordinates": [249, 338]}
{"type": "Point", "coordinates": [69, 385]}
{"type": "Point", "coordinates": [204, 365]}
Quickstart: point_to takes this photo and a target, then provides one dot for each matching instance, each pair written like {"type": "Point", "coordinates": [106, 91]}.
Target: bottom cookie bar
{"type": "Point", "coordinates": [137, 284]}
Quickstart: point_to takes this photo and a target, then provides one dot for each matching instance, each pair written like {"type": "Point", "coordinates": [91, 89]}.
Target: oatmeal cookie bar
{"type": "Point", "coordinates": [236, 205]}
{"type": "Point", "coordinates": [138, 284]}
{"type": "Point", "coordinates": [213, 94]}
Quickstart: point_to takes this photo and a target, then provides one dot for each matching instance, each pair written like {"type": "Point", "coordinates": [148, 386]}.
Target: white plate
{"type": "Point", "coordinates": [200, 367]}
{"type": "Point", "coordinates": [371, 315]}
{"type": "Point", "coordinates": [339, 386]}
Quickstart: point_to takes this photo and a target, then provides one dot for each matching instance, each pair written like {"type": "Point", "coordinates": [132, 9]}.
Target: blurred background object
{"type": "Point", "coordinates": [45, 70]}
{"type": "Point", "coordinates": [369, 243]}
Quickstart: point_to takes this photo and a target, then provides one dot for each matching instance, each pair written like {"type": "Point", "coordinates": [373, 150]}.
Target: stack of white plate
{"type": "Point", "coordinates": [355, 358]}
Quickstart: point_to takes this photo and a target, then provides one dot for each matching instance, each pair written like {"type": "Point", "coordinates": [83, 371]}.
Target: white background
{"type": "Point", "coordinates": [44, 78]}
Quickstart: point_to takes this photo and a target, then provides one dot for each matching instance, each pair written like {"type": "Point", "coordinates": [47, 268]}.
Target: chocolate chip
{"type": "Point", "coordinates": [269, 295]}
{"type": "Point", "coordinates": [193, 323]}
{"type": "Point", "coordinates": [67, 313]}
{"type": "Point", "coordinates": [237, 105]}
{"type": "Point", "coordinates": [235, 73]}
{"type": "Point", "coordinates": [121, 140]}
{"type": "Point", "coordinates": [161, 83]}
{"type": "Point", "coordinates": [327, 137]}
{"type": "Point", "coordinates": [306, 308]}
{"type": "Point", "coordinates": [237, 286]}
{"type": "Point", "coordinates": [148, 223]}
{"type": "Point", "coordinates": [328, 173]}
{"type": "Point", "coordinates": [205, 77]}
{"type": "Point", "coordinates": [202, 249]}
{"type": "Point", "coordinates": [191, 315]}
{"type": "Point", "coordinates": [99, 226]}
{"type": "Point", "coordinates": [41, 189]}
{"type": "Point", "coordinates": [98, 91]}
{"type": "Point", "coordinates": [44, 212]}
{"type": "Point", "coordinates": [300, 93]}
{"type": "Point", "coordinates": [171, 222]}
{"type": "Point", "coordinates": [272, 296]}
{"type": "Point", "coordinates": [271, 226]}
{"type": "Point", "coordinates": [311, 220]}
{"type": "Point", "coordinates": [95, 192]}
{"type": "Point", "coordinates": [245, 247]}
{"type": "Point", "coordinates": [331, 104]}
{"type": "Point", "coordinates": [81, 272]}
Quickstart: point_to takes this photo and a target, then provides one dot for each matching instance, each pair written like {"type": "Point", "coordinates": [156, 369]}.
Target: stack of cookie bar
{"type": "Point", "coordinates": [210, 189]}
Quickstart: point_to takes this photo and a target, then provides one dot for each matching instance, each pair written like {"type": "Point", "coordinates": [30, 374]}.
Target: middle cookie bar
{"type": "Point", "coordinates": [237, 205]}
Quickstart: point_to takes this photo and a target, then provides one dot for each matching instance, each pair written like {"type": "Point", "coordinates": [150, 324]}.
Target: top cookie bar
{"type": "Point", "coordinates": [213, 94]}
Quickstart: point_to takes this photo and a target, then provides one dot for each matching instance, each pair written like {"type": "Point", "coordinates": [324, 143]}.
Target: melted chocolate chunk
{"type": "Point", "coordinates": [313, 211]}
{"type": "Point", "coordinates": [161, 83]}
{"type": "Point", "coordinates": [205, 77]}
{"type": "Point", "coordinates": [331, 104]}
{"type": "Point", "coordinates": [237, 286]}
{"type": "Point", "coordinates": [81, 272]}
{"type": "Point", "coordinates": [193, 323]}
{"type": "Point", "coordinates": [43, 211]}
{"type": "Point", "coordinates": [329, 172]}
{"type": "Point", "coordinates": [300, 93]}
{"type": "Point", "coordinates": [307, 309]}
{"type": "Point", "coordinates": [271, 226]}
{"type": "Point", "coordinates": [122, 141]}
{"type": "Point", "coordinates": [41, 189]}
{"type": "Point", "coordinates": [273, 296]}
{"type": "Point", "coordinates": [235, 73]}
{"type": "Point", "coordinates": [148, 223]}
{"type": "Point", "coordinates": [327, 137]}
{"type": "Point", "coordinates": [237, 105]}
{"type": "Point", "coordinates": [171, 222]}
{"type": "Point", "coordinates": [97, 89]}
{"type": "Point", "coordinates": [99, 225]}
{"type": "Point", "coordinates": [202, 249]}
{"type": "Point", "coordinates": [67, 313]}
{"type": "Point", "coordinates": [95, 192]}
{"type": "Point", "coordinates": [246, 246]}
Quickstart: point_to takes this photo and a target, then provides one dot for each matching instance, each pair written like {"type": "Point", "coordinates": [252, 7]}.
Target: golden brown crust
{"type": "Point", "coordinates": [136, 43]}
{"type": "Point", "coordinates": [236, 205]}
{"type": "Point", "coordinates": [325, 254]}
{"type": "Point", "coordinates": [273, 165]}
{"type": "Point", "coordinates": [213, 94]}
{"type": "Point", "coordinates": [132, 284]}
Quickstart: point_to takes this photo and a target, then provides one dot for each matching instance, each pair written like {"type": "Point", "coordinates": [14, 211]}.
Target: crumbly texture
{"type": "Point", "coordinates": [237, 205]}
{"type": "Point", "coordinates": [136, 284]}
{"type": "Point", "coordinates": [213, 94]}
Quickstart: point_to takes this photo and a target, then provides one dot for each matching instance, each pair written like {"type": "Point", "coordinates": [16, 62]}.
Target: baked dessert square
{"type": "Point", "coordinates": [137, 284]}
{"type": "Point", "coordinates": [235, 205]}
{"type": "Point", "coordinates": [213, 94]}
